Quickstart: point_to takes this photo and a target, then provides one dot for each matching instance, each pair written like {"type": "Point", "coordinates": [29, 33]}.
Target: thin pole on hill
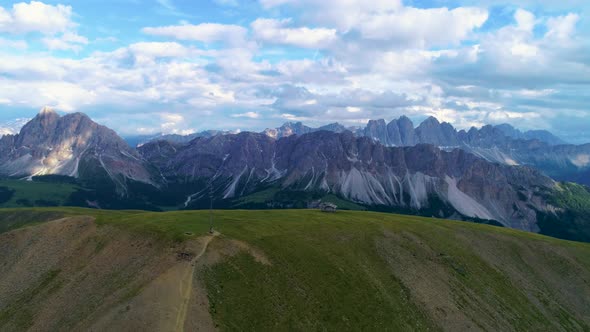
{"type": "Point", "coordinates": [210, 208]}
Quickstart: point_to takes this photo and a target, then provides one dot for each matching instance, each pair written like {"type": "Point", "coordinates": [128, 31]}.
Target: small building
{"type": "Point", "coordinates": [328, 207]}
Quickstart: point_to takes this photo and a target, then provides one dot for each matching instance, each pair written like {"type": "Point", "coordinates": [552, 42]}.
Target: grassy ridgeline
{"type": "Point", "coordinates": [365, 270]}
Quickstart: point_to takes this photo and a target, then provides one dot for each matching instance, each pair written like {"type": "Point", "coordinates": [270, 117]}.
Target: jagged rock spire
{"type": "Point", "coordinates": [47, 110]}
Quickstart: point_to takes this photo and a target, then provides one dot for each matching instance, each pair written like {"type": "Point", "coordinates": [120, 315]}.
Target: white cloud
{"type": "Point", "coordinates": [159, 49]}
{"type": "Point", "coordinates": [524, 50]}
{"type": "Point", "coordinates": [172, 117]}
{"type": "Point", "coordinates": [204, 32]}
{"type": "Point", "coordinates": [276, 32]}
{"type": "Point", "coordinates": [423, 27]}
{"type": "Point", "coordinates": [13, 44]}
{"type": "Point", "coordinates": [68, 41]}
{"type": "Point", "coordinates": [52, 21]}
{"type": "Point", "coordinates": [251, 115]}
{"type": "Point", "coordinates": [36, 17]}
{"type": "Point", "coordinates": [342, 14]}
{"type": "Point", "coordinates": [525, 20]}
{"type": "Point", "coordinates": [61, 95]}
{"type": "Point", "coordinates": [561, 28]}
{"type": "Point", "coordinates": [375, 59]}
{"type": "Point", "coordinates": [385, 24]}
{"type": "Point", "coordinates": [173, 123]}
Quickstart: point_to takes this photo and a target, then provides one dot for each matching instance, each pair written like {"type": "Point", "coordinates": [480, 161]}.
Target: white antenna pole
{"type": "Point", "coordinates": [210, 208]}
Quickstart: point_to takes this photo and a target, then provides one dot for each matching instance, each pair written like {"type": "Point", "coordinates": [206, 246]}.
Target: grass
{"type": "Point", "coordinates": [259, 197]}
{"type": "Point", "coordinates": [572, 221]}
{"type": "Point", "coordinates": [30, 193]}
{"type": "Point", "coordinates": [273, 196]}
{"type": "Point", "coordinates": [18, 311]}
{"type": "Point", "coordinates": [350, 270]}
{"type": "Point", "coordinates": [343, 204]}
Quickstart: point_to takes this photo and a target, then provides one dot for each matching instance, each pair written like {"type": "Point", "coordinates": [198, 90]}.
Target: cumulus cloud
{"type": "Point", "coordinates": [514, 56]}
{"type": "Point", "coordinates": [391, 22]}
{"type": "Point", "coordinates": [342, 14]}
{"type": "Point", "coordinates": [331, 60]}
{"type": "Point", "coordinates": [54, 22]}
{"type": "Point", "coordinates": [277, 32]}
{"type": "Point", "coordinates": [67, 41]}
{"type": "Point", "coordinates": [251, 115]}
{"type": "Point", "coordinates": [561, 28]}
{"type": "Point", "coordinates": [349, 106]}
{"type": "Point", "coordinates": [36, 17]}
{"type": "Point", "coordinates": [204, 32]}
{"type": "Point", "coordinates": [423, 28]}
{"type": "Point", "coordinates": [13, 44]}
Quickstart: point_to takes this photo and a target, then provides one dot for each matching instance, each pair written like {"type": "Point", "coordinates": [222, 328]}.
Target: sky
{"type": "Point", "coordinates": [180, 66]}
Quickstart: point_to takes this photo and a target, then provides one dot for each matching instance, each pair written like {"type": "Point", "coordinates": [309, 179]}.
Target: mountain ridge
{"type": "Point", "coordinates": [357, 169]}
{"type": "Point", "coordinates": [295, 170]}
{"type": "Point", "coordinates": [500, 143]}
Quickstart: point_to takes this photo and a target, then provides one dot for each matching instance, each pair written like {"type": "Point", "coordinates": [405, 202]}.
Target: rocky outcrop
{"type": "Point", "coordinates": [72, 145]}
{"type": "Point", "coordinates": [288, 129]}
{"type": "Point", "coordinates": [502, 144]}
{"type": "Point", "coordinates": [433, 132]}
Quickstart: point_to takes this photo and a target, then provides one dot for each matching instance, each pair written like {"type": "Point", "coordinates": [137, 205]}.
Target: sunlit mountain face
{"type": "Point", "coordinates": [180, 67]}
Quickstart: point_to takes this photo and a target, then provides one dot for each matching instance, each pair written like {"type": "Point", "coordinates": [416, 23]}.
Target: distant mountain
{"type": "Point", "coordinates": [298, 128]}
{"type": "Point", "coordinates": [72, 145]}
{"type": "Point", "coordinates": [401, 132]}
{"type": "Point", "coordinates": [288, 129]}
{"type": "Point", "coordinates": [423, 178]}
{"type": "Point", "coordinates": [541, 135]}
{"type": "Point", "coordinates": [136, 141]}
{"type": "Point", "coordinates": [502, 143]}
{"type": "Point", "coordinates": [335, 128]}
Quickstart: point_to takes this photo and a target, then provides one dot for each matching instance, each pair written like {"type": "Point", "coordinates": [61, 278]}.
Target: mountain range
{"type": "Point", "coordinates": [430, 170]}
{"type": "Point", "coordinates": [501, 143]}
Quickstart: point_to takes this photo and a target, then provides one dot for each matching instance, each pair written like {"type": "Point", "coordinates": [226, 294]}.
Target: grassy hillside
{"type": "Point", "coordinates": [17, 193]}
{"type": "Point", "coordinates": [568, 219]}
{"type": "Point", "coordinates": [572, 218]}
{"type": "Point", "coordinates": [284, 270]}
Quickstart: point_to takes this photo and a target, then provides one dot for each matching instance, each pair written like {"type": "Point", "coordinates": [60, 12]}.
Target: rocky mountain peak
{"type": "Point", "coordinates": [431, 120]}
{"type": "Point", "coordinates": [404, 121]}
{"type": "Point", "coordinates": [53, 144]}
{"type": "Point", "coordinates": [47, 110]}
{"type": "Point", "coordinates": [334, 127]}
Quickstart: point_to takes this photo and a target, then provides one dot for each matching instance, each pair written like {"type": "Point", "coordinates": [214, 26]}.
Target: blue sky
{"type": "Point", "coordinates": [180, 66]}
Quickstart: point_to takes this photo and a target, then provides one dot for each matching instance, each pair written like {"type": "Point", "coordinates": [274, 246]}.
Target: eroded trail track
{"type": "Point", "coordinates": [186, 285]}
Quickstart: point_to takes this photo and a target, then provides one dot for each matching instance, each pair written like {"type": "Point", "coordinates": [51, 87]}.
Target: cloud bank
{"type": "Point", "coordinates": [315, 61]}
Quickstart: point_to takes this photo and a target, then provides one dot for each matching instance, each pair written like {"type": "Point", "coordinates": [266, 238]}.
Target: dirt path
{"type": "Point", "coordinates": [186, 286]}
